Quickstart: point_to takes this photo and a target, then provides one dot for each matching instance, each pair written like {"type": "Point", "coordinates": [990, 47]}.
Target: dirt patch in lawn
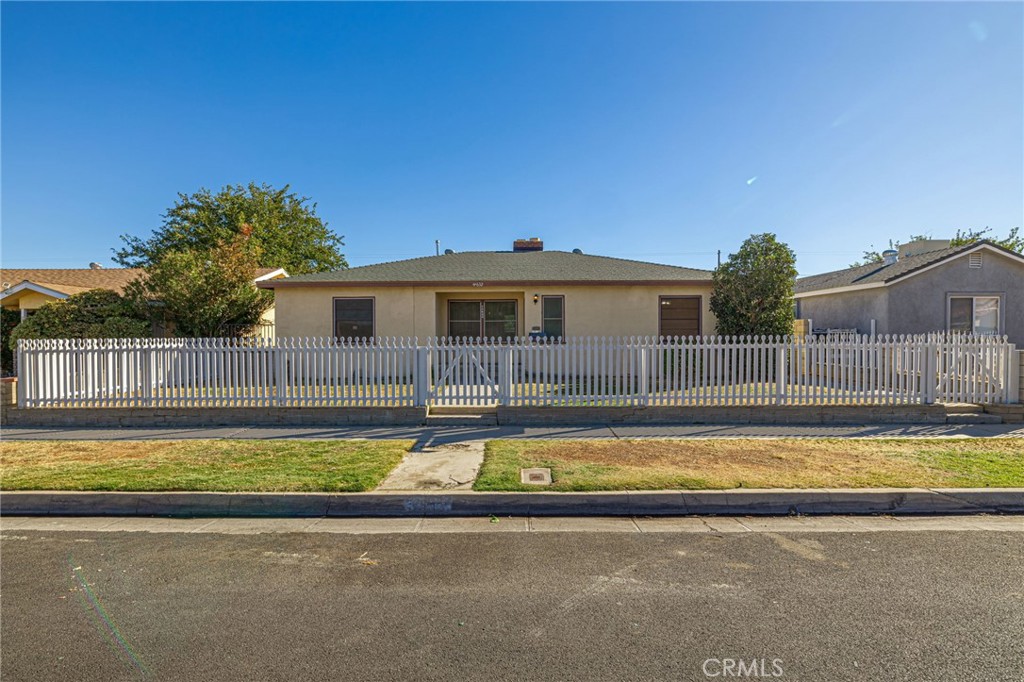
{"type": "Point", "coordinates": [719, 464]}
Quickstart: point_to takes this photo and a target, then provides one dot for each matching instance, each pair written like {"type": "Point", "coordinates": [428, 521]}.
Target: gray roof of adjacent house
{"type": "Point", "coordinates": [881, 273]}
{"type": "Point", "coordinates": [496, 267]}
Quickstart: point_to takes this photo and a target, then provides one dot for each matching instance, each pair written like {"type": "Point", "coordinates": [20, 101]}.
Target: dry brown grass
{"type": "Point", "coordinates": [819, 463]}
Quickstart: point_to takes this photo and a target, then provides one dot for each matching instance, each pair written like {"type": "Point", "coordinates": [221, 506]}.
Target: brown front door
{"type": "Point", "coordinates": [679, 316]}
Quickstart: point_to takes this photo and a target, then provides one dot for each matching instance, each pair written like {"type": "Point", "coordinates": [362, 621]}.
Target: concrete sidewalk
{"type": "Point", "coordinates": [439, 435]}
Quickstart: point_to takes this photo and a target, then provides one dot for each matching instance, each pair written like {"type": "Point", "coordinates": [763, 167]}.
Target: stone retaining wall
{"type": "Point", "coordinates": [8, 392]}
{"type": "Point", "coordinates": [506, 416]}
{"type": "Point", "coordinates": [215, 416]}
{"type": "Point", "coordinates": [783, 414]}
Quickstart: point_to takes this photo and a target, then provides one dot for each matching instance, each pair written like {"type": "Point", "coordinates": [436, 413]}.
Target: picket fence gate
{"type": "Point", "coordinates": [580, 371]}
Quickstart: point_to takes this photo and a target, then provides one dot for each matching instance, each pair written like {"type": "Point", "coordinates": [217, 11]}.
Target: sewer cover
{"type": "Point", "coordinates": [535, 476]}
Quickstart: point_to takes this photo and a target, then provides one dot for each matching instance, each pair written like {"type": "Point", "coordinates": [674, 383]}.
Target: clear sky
{"type": "Point", "coordinates": [658, 132]}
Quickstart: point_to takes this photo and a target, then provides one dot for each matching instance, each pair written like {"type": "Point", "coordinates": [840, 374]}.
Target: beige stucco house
{"type": "Point", "coordinates": [497, 294]}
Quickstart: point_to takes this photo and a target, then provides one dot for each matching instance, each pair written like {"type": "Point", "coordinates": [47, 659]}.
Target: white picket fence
{"type": "Point", "coordinates": [641, 371]}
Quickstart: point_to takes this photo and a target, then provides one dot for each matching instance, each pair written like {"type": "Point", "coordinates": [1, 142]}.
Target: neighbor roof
{"type": "Point", "coordinates": [501, 267]}
{"type": "Point", "coordinates": [72, 280]}
{"type": "Point", "coordinates": [880, 274]}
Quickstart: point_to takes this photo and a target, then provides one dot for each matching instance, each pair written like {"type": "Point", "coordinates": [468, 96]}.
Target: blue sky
{"type": "Point", "coordinates": [658, 132]}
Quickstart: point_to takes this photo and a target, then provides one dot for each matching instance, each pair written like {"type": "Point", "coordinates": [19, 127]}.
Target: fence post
{"type": "Point", "coordinates": [147, 377]}
{"type": "Point", "coordinates": [1013, 381]}
{"type": "Point", "coordinates": [781, 374]}
{"type": "Point", "coordinates": [279, 386]}
{"type": "Point", "coordinates": [421, 381]}
{"type": "Point", "coordinates": [645, 383]}
{"type": "Point", "coordinates": [505, 375]}
{"type": "Point", "coordinates": [930, 372]}
{"type": "Point", "coordinates": [22, 373]}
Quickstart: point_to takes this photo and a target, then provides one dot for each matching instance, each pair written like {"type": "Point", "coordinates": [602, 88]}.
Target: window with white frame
{"type": "Point", "coordinates": [553, 311]}
{"type": "Point", "coordinates": [974, 314]}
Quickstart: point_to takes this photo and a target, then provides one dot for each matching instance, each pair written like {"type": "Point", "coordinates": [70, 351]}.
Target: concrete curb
{"type": "Point", "coordinates": [412, 504]}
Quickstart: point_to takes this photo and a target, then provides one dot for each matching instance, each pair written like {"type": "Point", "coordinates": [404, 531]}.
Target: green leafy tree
{"type": "Point", "coordinates": [874, 256]}
{"type": "Point", "coordinates": [284, 225]}
{"type": "Point", "coordinates": [1013, 241]}
{"type": "Point", "coordinates": [94, 314]}
{"type": "Point", "coordinates": [9, 319]}
{"type": "Point", "coordinates": [205, 292]}
{"type": "Point", "coordinates": [753, 289]}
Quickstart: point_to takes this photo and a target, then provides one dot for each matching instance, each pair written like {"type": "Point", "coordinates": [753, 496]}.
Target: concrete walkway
{"type": "Point", "coordinates": [446, 466]}
{"type": "Point", "coordinates": [427, 437]}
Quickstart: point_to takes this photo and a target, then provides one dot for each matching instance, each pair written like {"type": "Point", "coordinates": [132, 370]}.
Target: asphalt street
{"type": "Point", "coordinates": [927, 605]}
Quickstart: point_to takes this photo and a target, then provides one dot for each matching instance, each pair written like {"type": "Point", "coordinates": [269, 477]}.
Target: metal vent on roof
{"type": "Point", "coordinates": [975, 260]}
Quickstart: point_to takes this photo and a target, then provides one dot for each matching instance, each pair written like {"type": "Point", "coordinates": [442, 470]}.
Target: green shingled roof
{"type": "Point", "coordinates": [504, 266]}
{"type": "Point", "coordinates": [879, 273]}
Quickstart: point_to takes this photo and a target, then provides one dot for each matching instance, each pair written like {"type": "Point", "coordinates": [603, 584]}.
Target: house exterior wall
{"type": "Point", "coordinates": [919, 304]}
{"type": "Point", "coordinates": [32, 300]}
{"type": "Point", "coordinates": [269, 316]}
{"type": "Point", "coordinates": [617, 310]}
{"type": "Point", "coordinates": [848, 310]}
{"type": "Point", "coordinates": [423, 311]}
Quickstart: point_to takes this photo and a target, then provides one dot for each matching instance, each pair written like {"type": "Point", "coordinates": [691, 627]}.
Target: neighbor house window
{"type": "Point", "coordinates": [974, 314]}
{"type": "Point", "coordinates": [553, 311]}
{"type": "Point", "coordinates": [353, 318]}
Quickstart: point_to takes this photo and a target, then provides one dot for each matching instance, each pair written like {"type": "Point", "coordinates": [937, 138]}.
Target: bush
{"type": "Point", "coordinates": [95, 314]}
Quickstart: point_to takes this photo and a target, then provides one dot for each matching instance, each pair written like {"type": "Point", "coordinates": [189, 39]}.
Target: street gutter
{"type": "Point", "coordinates": [736, 502]}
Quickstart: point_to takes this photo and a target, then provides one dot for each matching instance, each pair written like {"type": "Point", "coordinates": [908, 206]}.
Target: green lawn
{"type": "Point", "coordinates": [721, 464]}
{"type": "Point", "coordinates": [200, 465]}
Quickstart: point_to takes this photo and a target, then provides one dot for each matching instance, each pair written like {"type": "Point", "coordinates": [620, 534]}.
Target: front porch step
{"type": "Point", "coordinates": [972, 418]}
{"type": "Point", "coordinates": [963, 408]}
{"type": "Point", "coordinates": [470, 420]}
{"type": "Point", "coordinates": [461, 410]}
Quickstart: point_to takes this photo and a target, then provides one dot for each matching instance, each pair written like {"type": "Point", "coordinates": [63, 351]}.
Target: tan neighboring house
{"type": "Point", "coordinates": [497, 294]}
{"type": "Point", "coordinates": [26, 290]}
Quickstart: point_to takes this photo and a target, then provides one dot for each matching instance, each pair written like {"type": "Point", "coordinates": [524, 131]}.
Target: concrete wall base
{"type": "Point", "coordinates": [216, 416]}
{"type": "Point", "coordinates": [506, 416]}
{"type": "Point", "coordinates": [768, 414]}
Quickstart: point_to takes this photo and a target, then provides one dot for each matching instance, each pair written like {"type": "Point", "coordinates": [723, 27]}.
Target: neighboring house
{"type": "Point", "coordinates": [925, 286]}
{"type": "Point", "coordinates": [497, 294]}
{"type": "Point", "coordinates": [26, 290]}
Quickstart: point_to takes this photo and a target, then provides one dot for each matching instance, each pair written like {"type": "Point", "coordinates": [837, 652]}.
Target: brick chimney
{"type": "Point", "coordinates": [531, 244]}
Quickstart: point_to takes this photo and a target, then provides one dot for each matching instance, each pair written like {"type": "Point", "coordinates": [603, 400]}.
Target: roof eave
{"type": "Point", "coordinates": [31, 286]}
{"type": "Point", "coordinates": [273, 274]}
{"type": "Point", "coordinates": [289, 283]}
{"type": "Point", "coordinates": [839, 290]}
